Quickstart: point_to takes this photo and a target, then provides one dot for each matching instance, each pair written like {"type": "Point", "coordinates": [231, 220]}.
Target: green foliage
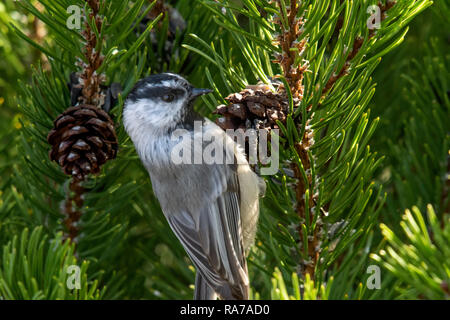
{"type": "Point", "coordinates": [36, 268]}
{"type": "Point", "coordinates": [422, 152]}
{"type": "Point", "coordinates": [109, 220]}
{"type": "Point", "coordinates": [442, 9]}
{"type": "Point", "coordinates": [120, 217]}
{"type": "Point", "coordinates": [306, 291]}
{"type": "Point", "coordinates": [415, 252]}
{"type": "Point", "coordinates": [418, 141]}
{"type": "Point", "coordinates": [15, 55]}
{"type": "Point", "coordinates": [421, 262]}
{"type": "Point", "coordinates": [343, 162]}
{"type": "Point", "coordinates": [125, 239]}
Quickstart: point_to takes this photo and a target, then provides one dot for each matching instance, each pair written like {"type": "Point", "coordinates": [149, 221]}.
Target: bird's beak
{"type": "Point", "coordinates": [199, 92]}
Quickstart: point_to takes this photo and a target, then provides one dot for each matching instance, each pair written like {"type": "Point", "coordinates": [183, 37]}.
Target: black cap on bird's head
{"type": "Point", "coordinates": [162, 100]}
{"type": "Point", "coordinates": [167, 87]}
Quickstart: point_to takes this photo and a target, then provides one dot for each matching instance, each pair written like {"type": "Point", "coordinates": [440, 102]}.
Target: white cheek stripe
{"type": "Point", "coordinates": [144, 118]}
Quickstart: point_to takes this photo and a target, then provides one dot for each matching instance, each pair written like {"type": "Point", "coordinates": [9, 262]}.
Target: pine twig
{"type": "Point", "coordinates": [72, 206]}
{"type": "Point", "coordinates": [292, 49]}
{"type": "Point", "coordinates": [91, 95]}
{"type": "Point", "coordinates": [91, 81]}
{"type": "Point", "coordinates": [357, 44]}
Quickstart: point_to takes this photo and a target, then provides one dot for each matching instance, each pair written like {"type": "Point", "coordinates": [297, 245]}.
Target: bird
{"type": "Point", "coordinates": [213, 208]}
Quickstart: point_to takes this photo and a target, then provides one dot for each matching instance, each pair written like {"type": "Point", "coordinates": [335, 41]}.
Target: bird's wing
{"type": "Point", "coordinates": [212, 237]}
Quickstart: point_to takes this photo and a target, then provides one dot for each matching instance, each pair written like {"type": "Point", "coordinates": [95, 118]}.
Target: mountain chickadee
{"type": "Point", "coordinates": [212, 208]}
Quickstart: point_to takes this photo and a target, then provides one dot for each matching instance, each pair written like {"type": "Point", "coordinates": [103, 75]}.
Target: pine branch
{"type": "Point", "coordinates": [37, 268]}
{"type": "Point", "coordinates": [91, 81]}
{"type": "Point", "coordinates": [310, 292]}
{"type": "Point", "coordinates": [331, 186]}
{"type": "Point", "coordinates": [317, 222]}
{"type": "Point", "coordinates": [72, 209]}
{"type": "Point", "coordinates": [292, 49]}
{"type": "Point", "coordinates": [109, 211]}
{"type": "Point", "coordinates": [426, 244]}
{"type": "Point", "coordinates": [357, 44]}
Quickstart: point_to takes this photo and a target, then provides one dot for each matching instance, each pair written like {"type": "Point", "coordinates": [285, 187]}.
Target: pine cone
{"type": "Point", "coordinates": [82, 140]}
{"type": "Point", "coordinates": [256, 107]}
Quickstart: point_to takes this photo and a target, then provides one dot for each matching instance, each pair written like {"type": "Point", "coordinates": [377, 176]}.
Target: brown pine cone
{"type": "Point", "coordinates": [83, 139]}
{"type": "Point", "coordinates": [256, 107]}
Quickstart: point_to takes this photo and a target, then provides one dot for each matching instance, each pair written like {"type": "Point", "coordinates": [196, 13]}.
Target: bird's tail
{"type": "Point", "coordinates": [202, 290]}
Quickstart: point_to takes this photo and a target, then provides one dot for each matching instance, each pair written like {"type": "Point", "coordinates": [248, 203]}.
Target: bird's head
{"type": "Point", "coordinates": [160, 102]}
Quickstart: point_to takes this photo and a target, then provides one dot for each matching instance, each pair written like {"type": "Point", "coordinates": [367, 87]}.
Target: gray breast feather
{"type": "Point", "coordinates": [202, 204]}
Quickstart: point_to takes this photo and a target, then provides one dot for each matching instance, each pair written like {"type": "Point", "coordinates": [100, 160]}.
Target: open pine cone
{"type": "Point", "coordinates": [83, 139]}
{"type": "Point", "coordinates": [256, 107]}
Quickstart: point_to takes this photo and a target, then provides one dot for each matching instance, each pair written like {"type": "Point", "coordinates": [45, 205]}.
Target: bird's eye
{"type": "Point", "coordinates": [168, 97]}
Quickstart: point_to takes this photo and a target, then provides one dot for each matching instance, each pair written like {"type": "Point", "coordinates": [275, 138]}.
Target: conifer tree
{"type": "Point", "coordinates": [302, 70]}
